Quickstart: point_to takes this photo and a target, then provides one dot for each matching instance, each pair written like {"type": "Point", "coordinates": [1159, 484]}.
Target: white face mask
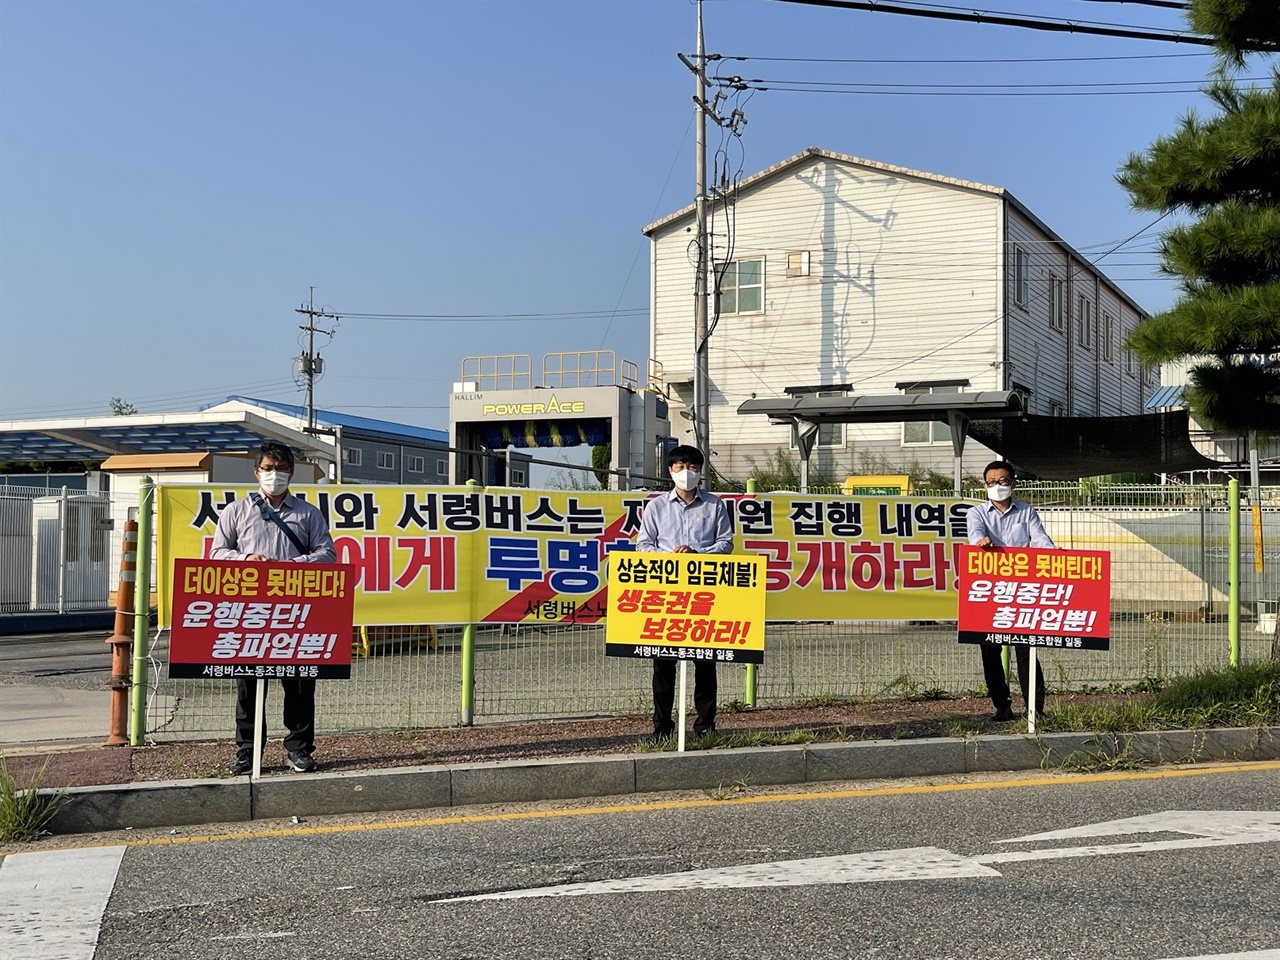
{"type": "Point", "coordinates": [999, 493]}
{"type": "Point", "coordinates": [273, 482]}
{"type": "Point", "coordinates": [686, 479]}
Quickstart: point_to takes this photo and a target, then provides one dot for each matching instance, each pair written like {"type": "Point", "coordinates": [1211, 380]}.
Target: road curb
{"type": "Point", "coordinates": [190, 802]}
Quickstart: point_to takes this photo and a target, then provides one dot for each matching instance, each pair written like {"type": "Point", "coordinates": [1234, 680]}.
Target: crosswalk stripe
{"type": "Point", "coordinates": [51, 903]}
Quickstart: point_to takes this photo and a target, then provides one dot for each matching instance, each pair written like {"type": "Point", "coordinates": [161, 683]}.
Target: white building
{"type": "Point", "coordinates": [865, 278]}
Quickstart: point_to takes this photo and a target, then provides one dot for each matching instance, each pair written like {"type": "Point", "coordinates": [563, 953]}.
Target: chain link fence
{"type": "Point", "coordinates": [60, 552]}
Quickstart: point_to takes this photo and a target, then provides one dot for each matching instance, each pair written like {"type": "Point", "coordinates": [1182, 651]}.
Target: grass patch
{"type": "Point", "coordinates": [1244, 696]}
{"type": "Point", "coordinates": [1108, 753]}
{"type": "Point", "coordinates": [962, 726]}
{"type": "Point", "coordinates": [25, 813]}
{"type": "Point", "coordinates": [725, 792]}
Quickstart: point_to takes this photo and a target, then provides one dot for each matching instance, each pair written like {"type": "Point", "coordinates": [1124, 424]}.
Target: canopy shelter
{"type": "Point", "coordinates": [807, 413]}
{"type": "Point", "coordinates": [96, 438]}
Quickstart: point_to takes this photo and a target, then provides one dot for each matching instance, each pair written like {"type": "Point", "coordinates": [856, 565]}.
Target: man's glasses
{"type": "Point", "coordinates": [998, 482]}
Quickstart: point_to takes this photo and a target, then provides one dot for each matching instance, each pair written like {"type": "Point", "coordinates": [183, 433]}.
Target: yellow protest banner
{"type": "Point", "coordinates": [686, 606]}
{"type": "Point", "coordinates": [502, 555]}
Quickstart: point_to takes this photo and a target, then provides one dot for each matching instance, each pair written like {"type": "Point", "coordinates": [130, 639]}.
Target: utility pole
{"type": "Point", "coordinates": [310, 364]}
{"type": "Point", "coordinates": [701, 368]}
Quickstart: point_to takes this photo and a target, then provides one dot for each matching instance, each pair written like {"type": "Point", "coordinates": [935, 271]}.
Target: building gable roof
{"type": "Point", "coordinates": [806, 156]}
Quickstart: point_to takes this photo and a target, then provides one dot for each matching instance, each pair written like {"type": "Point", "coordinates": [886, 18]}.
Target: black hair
{"type": "Point", "coordinates": [274, 450]}
{"type": "Point", "coordinates": [685, 454]}
{"type": "Point", "coordinates": [997, 465]}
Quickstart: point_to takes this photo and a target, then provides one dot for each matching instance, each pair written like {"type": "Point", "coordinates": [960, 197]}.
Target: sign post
{"type": "Point", "coordinates": [235, 619]}
{"type": "Point", "coordinates": [1036, 598]}
{"type": "Point", "coordinates": [686, 606]}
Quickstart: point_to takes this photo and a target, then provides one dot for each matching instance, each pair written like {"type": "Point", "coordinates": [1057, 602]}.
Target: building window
{"type": "Point", "coordinates": [1104, 336]}
{"type": "Point", "coordinates": [1056, 321]}
{"type": "Point", "coordinates": [742, 287]}
{"type": "Point", "coordinates": [517, 477]}
{"type": "Point", "coordinates": [417, 464]}
{"type": "Point", "coordinates": [1084, 322]}
{"type": "Point", "coordinates": [442, 467]}
{"type": "Point", "coordinates": [1129, 366]}
{"type": "Point", "coordinates": [1055, 408]}
{"type": "Point", "coordinates": [1024, 393]}
{"type": "Point", "coordinates": [386, 461]}
{"type": "Point", "coordinates": [1021, 278]}
{"type": "Point", "coordinates": [798, 264]}
{"type": "Point", "coordinates": [351, 455]}
{"type": "Point", "coordinates": [927, 431]}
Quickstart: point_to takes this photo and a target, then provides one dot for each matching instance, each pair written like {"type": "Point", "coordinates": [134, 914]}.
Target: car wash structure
{"type": "Point", "coordinates": [579, 398]}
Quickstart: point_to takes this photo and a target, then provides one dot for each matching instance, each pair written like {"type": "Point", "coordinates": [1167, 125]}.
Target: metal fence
{"type": "Point", "coordinates": [59, 552]}
{"type": "Point", "coordinates": [1170, 558]}
{"type": "Point", "coordinates": [59, 549]}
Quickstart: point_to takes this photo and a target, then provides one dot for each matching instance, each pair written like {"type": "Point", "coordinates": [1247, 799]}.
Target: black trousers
{"type": "Point", "coordinates": [299, 714]}
{"type": "Point", "coordinates": [664, 696]}
{"type": "Point", "coordinates": [993, 673]}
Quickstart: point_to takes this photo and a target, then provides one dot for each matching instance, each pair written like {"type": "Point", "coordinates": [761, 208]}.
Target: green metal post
{"type": "Point", "coordinates": [1233, 570]}
{"type": "Point", "coordinates": [467, 704]}
{"type": "Point", "coordinates": [749, 684]}
{"type": "Point", "coordinates": [141, 618]}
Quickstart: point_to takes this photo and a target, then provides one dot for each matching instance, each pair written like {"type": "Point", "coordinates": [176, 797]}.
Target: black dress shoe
{"type": "Point", "coordinates": [242, 764]}
{"type": "Point", "coordinates": [1003, 715]}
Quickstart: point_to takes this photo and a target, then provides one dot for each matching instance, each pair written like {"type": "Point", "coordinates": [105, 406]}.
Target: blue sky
{"type": "Point", "coordinates": [174, 176]}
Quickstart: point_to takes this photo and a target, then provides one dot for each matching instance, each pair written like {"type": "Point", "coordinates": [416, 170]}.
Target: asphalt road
{"type": "Point", "coordinates": [950, 875]}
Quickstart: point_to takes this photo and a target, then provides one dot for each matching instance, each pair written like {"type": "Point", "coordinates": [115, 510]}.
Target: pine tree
{"type": "Point", "coordinates": [1224, 171]}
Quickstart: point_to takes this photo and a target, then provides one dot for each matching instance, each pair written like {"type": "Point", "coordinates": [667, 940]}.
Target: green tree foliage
{"type": "Point", "coordinates": [601, 460]}
{"type": "Point", "coordinates": [1224, 172]}
{"type": "Point", "coordinates": [122, 408]}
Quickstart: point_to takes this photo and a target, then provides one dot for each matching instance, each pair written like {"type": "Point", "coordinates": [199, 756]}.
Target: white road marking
{"type": "Point", "coordinates": [1259, 826]}
{"type": "Point", "coordinates": [916, 863]}
{"type": "Point", "coordinates": [1248, 955]}
{"type": "Point", "coordinates": [1207, 828]}
{"type": "Point", "coordinates": [51, 903]}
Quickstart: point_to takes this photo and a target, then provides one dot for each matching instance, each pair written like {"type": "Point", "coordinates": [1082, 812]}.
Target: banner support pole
{"type": "Point", "coordinates": [259, 708]}
{"type": "Point", "coordinates": [141, 618]}
{"type": "Point", "coordinates": [1031, 690]}
{"type": "Point", "coordinates": [683, 711]}
{"type": "Point", "coordinates": [467, 700]}
{"type": "Point", "coordinates": [749, 683]}
{"type": "Point", "coordinates": [1233, 570]}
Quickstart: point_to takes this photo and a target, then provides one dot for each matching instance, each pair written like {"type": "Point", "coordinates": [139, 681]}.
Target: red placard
{"type": "Point", "coordinates": [235, 618]}
{"type": "Point", "coordinates": [1042, 598]}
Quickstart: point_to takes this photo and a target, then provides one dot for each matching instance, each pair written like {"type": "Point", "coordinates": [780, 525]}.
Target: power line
{"type": "Point", "coordinates": [934, 60]}
{"type": "Point", "coordinates": [1052, 24]}
{"type": "Point", "coordinates": [986, 93]}
{"type": "Point", "coordinates": [497, 317]}
{"type": "Point", "coordinates": [1166, 4]}
{"type": "Point", "coordinates": [996, 86]}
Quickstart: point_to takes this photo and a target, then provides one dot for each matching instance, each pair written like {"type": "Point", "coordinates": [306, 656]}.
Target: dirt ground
{"type": "Point", "coordinates": [881, 720]}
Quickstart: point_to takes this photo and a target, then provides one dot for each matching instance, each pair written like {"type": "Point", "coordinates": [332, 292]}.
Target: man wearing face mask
{"type": "Point", "coordinates": [1005, 522]}
{"type": "Point", "coordinates": [686, 520]}
{"type": "Point", "coordinates": [272, 524]}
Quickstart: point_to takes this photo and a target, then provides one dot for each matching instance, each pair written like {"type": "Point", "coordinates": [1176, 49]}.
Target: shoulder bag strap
{"type": "Point", "coordinates": [271, 516]}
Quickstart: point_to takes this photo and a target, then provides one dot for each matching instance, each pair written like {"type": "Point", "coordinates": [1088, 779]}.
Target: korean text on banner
{"type": "Point", "coordinates": [1042, 598]}
{"type": "Point", "coordinates": [686, 606]}
{"type": "Point", "coordinates": [501, 555]}
{"type": "Point", "coordinates": [233, 618]}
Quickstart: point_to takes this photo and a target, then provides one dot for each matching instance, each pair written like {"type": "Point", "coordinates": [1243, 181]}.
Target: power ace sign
{"type": "Point", "coordinates": [238, 619]}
